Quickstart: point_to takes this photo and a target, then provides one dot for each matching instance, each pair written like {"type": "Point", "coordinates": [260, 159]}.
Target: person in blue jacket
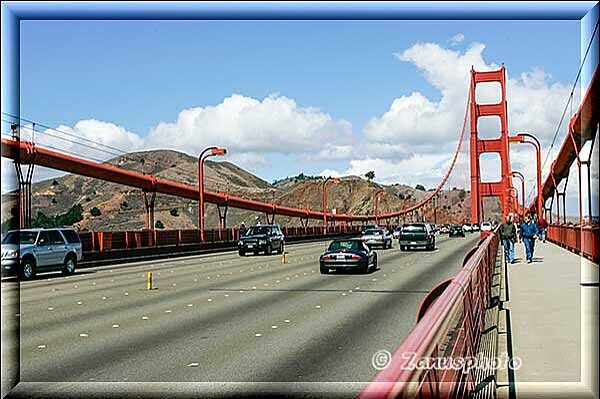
{"type": "Point", "coordinates": [528, 232]}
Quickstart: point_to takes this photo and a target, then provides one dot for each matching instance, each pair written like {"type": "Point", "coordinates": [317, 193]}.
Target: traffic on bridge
{"type": "Point", "coordinates": [168, 264]}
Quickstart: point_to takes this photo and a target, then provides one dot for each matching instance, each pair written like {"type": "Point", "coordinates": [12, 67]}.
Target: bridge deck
{"type": "Point", "coordinates": [551, 323]}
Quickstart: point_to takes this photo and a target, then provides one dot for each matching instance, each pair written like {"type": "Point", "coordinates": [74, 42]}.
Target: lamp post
{"type": "Point", "coordinates": [522, 178]}
{"type": "Point", "coordinates": [329, 179]}
{"type": "Point", "coordinates": [527, 138]}
{"type": "Point", "coordinates": [515, 201]}
{"type": "Point", "coordinates": [207, 152]}
{"type": "Point", "coordinates": [377, 205]}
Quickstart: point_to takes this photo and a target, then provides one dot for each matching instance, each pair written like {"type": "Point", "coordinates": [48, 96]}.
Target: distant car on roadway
{"type": "Point", "coordinates": [475, 227]}
{"type": "Point", "coordinates": [467, 227]}
{"type": "Point", "coordinates": [445, 229]}
{"type": "Point", "coordinates": [396, 232]}
{"type": "Point", "coordinates": [368, 227]}
{"type": "Point", "coordinates": [348, 254]}
{"type": "Point", "coordinates": [29, 251]}
{"type": "Point", "coordinates": [456, 230]}
{"type": "Point", "coordinates": [263, 238]}
{"type": "Point", "coordinates": [378, 237]}
{"type": "Point", "coordinates": [416, 235]}
{"type": "Point", "coordinates": [486, 226]}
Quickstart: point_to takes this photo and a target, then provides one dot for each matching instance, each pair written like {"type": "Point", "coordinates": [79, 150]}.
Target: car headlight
{"type": "Point", "coordinates": [10, 254]}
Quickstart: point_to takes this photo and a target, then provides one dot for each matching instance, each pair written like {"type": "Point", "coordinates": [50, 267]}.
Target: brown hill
{"type": "Point", "coordinates": [123, 207]}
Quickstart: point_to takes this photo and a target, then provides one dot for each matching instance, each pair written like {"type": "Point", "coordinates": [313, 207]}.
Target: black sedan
{"type": "Point", "coordinates": [456, 231]}
{"type": "Point", "coordinates": [348, 254]}
{"type": "Point", "coordinates": [264, 238]}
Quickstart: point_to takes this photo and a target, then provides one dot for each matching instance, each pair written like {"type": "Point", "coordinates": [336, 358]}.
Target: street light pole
{"type": "Point", "coordinates": [329, 179]}
{"type": "Point", "coordinates": [377, 205]}
{"type": "Point", "coordinates": [520, 176]}
{"type": "Point", "coordinates": [207, 152]}
{"type": "Point", "coordinates": [527, 138]}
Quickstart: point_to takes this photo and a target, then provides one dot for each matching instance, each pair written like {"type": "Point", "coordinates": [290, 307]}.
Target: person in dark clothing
{"type": "Point", "coordinates": [542, 226]}
{"type": "Point", "coordinates": [508, 235]}
{"type": "Point", "coordinates": [528, 232]}
{"type": "Point", "coordinates": [243, 230]}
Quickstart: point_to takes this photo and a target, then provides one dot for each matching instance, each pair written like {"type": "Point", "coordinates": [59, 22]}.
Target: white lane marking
{"type": "Point", "coordinates": [318, 306]}
{"type": "Point", "coordinates": [210, 300]}
{"type": "Point", "coordinates": [168, 311]}
{"type": "Point", "coordinates": [343, 294]}
{"type": "Point", "coordinates": [286, 321]}
{"type": "Point", "coordinates": [50, 308]}
{"type": "Point", "coordinates": [273, 326]}
{"type": "Point", "coordinates": [226, 295]}
{"type": "Point", "coordinates": [144, 317]}
{"type": "Point", "coordinates": [193, 364]}
{"type": "Point", "coordinates": [127, 293]}
{"type": "Point", "coordinates": [103, 298]}
{"type": "Point", "coordinates": [174, 284]}
{"type": "Point", "coordinates": [79, 302]}
{"type": "Point", "coordinates": [258, 335]}
{"type": "Point", "coordinates": [190, 305]}
{"type": "Point", "coordinates": [83, 335]}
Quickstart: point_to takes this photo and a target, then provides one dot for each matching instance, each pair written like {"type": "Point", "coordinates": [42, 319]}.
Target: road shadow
{"type": "Point", "coordinates": [45, 276]}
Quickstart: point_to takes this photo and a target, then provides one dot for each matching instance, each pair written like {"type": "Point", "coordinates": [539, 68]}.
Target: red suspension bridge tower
{"type": "Point", "coordinates": [479, 146]}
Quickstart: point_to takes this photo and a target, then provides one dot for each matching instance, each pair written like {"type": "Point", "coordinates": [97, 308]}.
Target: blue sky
{"type": "Point", "coordinates": [137, 76]}
{"type": "Point", "coordinates": [137, 73]}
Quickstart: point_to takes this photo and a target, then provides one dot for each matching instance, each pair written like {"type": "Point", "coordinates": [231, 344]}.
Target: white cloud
{"type": "Point", "coordinates": [456, 39]}
{"type": "Point", "coordinates": [243, 124]}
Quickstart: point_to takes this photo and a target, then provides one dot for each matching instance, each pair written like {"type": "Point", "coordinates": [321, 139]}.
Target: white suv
{"type": "Point", "coordinates": [26, 252]}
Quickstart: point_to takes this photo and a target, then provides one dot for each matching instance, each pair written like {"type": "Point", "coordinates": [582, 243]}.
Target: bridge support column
{"type": "Point", "coordinates": [222, 216]}
{"type": "Point", "coordinates": [480, 146]}
{"type": "Point", "coordinates": [270, 218]}
{"type": "Point", "coordinates": [24, 180]}
{"type": "Point", "coordinates": [149, 206]}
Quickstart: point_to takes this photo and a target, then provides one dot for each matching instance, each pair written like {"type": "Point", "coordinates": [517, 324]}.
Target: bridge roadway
{"type": "Point", "coordinates": [222, 317]}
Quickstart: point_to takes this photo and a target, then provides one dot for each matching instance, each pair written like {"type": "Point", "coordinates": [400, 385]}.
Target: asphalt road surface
{"type": "Point", "coordinates": [225, 318]}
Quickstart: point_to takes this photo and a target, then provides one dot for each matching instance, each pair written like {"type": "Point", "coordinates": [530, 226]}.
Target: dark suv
{"type": "Point", "coordinates": [264, 238]}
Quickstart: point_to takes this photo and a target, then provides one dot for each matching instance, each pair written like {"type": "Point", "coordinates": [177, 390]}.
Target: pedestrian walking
{"type": "Point", "coordinates": [508, 235]}
{"type": "Point", "coordinates": [528, 232]}
{"type": "Point", "coordinates": [542, 226]}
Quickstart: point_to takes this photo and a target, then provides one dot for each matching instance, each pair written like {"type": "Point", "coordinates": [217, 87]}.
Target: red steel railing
{"type": "Point", "coordinates": [583, 240]}
{"type": "Point", "coordinates": [450, 330]}
{"type": "Point", "coordinates": [101, 241]}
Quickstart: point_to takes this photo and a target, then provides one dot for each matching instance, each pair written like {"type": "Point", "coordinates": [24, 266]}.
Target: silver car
{"type": "Point", "coordinates": [26, 252]}
{"type": "Point", "coordinates": [377, 237]}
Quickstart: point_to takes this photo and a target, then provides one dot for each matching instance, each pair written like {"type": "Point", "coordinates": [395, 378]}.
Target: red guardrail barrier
{"type": "Point", "coordinates": [101, 241]}
{"type": "Point", "coordinates": [448, 332]}
{"type": "Point", "coordinates": [583, 240]}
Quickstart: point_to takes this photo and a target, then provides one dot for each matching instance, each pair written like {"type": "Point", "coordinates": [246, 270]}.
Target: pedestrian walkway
{"type": "Point", "coordinates": [550, 321]}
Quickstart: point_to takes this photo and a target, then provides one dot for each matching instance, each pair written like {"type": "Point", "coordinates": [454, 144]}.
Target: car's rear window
{"type": "Point", "coordinates": [71, 236]}
{"type": "Point", "coordinates": [414, 227]}
{"type": "Point", "coordinates": [349, 245]}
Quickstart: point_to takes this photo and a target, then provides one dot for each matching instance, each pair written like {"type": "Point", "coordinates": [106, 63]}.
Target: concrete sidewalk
{"type": "Point", "coordinates": [550, 316]}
